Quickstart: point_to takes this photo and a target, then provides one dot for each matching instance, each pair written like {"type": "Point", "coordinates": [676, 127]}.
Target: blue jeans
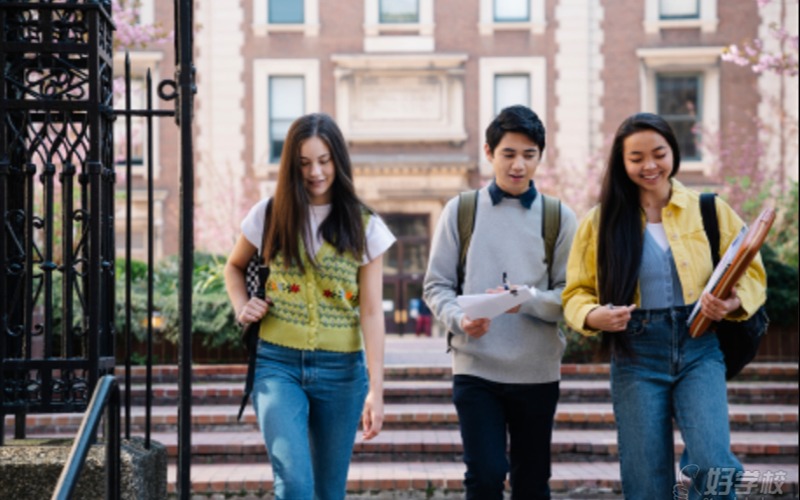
{"type": "Point", "coordinates": [671, 376]}
{"type": "Point", "coordinates": [488, 412]}
{"type": "Point", "coordinates": [308, 405]}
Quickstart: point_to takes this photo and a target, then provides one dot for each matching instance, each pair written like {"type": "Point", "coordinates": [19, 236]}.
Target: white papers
{"type": "Point", "coordinates": [489, 305]}
{"type": "Point", "coordinates": [724, 264]}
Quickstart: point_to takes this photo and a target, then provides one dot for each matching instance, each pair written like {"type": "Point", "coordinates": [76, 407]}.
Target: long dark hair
{"type": "Point", "coordinates": [620, 237]}
{"type": "Point", "coordinates": [344, 227]}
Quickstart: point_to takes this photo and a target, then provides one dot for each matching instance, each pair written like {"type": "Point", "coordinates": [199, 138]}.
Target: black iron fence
{"type": "Point", "coordinates": [58, 184]}
{"type": "Point", "coordinates": [57, 208]}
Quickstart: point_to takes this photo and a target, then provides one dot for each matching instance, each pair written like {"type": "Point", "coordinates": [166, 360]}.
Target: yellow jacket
{"type": "Point", "coordinates": [683, 224]}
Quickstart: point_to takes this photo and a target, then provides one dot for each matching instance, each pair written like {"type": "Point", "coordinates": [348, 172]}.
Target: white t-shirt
{"type": "Point", "coordinates": [379, 238]}
{"type": "Point", "coordinates": [656, 230]}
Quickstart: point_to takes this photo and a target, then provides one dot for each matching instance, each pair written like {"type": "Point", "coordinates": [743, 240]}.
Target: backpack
{"type": "Point", "coordinates": [738, 340]}
{"type": "Point", "coordinates": [467, 206]}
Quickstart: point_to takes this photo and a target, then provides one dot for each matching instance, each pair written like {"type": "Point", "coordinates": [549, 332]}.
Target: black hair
{"type": "Point", "coordinates": [620, 238]}
{"type": "Point", "coordinates": [519, 119]}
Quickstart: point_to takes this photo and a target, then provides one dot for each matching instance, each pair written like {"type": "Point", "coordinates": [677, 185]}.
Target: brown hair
{"type": "Point", "coordinates": [344, 227]}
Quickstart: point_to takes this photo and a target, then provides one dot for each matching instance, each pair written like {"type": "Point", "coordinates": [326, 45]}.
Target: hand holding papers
{"type": "Point", "coordinates": [490, 305]}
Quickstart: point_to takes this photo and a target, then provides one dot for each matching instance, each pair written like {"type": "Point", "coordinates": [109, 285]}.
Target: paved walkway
{"type": "Point", "coordinates": [409, 350]}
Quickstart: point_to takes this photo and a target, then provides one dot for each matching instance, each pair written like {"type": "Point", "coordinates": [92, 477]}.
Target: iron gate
{"type": "Point", "coordinates": [57, 197]}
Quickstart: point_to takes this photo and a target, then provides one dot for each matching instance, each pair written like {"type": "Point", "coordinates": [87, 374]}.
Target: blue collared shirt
{"type": "Point", "coordinates": [526, 199]}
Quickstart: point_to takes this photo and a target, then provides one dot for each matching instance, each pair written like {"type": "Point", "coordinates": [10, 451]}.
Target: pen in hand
{"type": "Point", "coordinates": [506, 285]}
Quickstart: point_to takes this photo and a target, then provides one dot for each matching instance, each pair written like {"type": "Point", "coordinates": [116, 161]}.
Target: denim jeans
{"type": "Point", "coordinates": [488, 412]}
{"type": "Point", "coordinates": [671, 376]}
{"type": "Point", "coordinates": [308, 405]}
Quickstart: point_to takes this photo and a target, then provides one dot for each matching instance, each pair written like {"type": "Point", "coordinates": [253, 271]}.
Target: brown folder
{"type": "Point", "coordinates": [731, 268]}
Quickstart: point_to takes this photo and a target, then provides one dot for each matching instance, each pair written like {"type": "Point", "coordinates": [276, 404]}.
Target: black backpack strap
{"type": "Point", "coordinates": [708, 209]}
{"type": "Point", "coordinates": [251, 332]}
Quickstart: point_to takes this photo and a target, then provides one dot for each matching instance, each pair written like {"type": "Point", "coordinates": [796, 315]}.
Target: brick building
{"type": "Point", "coordinates": [413, 84]}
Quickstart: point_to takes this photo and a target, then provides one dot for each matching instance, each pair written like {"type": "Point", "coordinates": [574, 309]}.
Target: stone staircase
{"type": "Point", "coordinates": [418, 454]}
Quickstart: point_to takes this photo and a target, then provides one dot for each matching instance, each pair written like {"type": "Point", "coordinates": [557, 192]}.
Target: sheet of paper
{"type": "Point", "coordinates": [489, 305]}
{"type": "Point", "coordinates": [723, 265]}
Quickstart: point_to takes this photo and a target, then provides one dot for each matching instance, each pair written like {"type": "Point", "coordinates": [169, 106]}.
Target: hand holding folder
{"type": "Point", "coordinates": [732, 267]}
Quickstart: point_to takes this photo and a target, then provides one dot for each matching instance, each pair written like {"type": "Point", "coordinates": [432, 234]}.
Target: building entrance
{"type": "Point", "coordinates": [404, 267]}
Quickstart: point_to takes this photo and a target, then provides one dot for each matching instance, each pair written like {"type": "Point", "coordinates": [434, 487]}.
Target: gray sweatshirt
{"type": "Point", "coordinates": [525, 347]}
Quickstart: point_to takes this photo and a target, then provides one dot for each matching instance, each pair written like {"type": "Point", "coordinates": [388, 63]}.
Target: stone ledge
{"type": "Point", "coordinates": [30, 468]}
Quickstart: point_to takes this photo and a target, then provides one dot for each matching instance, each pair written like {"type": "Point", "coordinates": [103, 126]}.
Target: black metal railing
{"type": "Point", "coordinates": [105, 397]}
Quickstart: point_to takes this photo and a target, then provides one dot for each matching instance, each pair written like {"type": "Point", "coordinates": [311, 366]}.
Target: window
{"type": "Point", "coordinates": [285, 105]}
{"type": "Point", "coordinates": [680, 14]}
{"type": "Point", "coordinates": [683, 85]}
{"type": "Point", "coordinates": [504, 81]}
{"type": "Point", "coordinates": [285, 12]}
{"type": "Point", "coordinates": [283, 89]}
{"type": "Point", "coordinates": [286, 16]}
{"type": "Point", "coordinates": [511, 15]}
{"type": "Point", "coordinates": [679, 9]}
{"type": "Point", "coordinates": [399, 11]}
{"type": "Point", "coordinates": [510, 90]}
{"type": "Point", "coordinates": [678, 102]}
{"type": "Point", "coordinates": [398, 26]}
{"type": "Point", "coordinates": [511, 11]}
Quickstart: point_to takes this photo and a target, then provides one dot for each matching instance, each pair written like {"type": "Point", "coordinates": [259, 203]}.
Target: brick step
{"type": "Point", "coordinates": [415, 371]}
{"type": "Point", "coordinates": [445, 445]}
{"type": "Point", "coordinates": [440, 391]}
{"type": "Point", "coordinates": [777, 418]}
{"type": "Point", "coordinates": [435, 479]}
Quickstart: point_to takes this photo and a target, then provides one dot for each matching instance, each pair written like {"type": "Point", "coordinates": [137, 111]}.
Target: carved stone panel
{"type": "Point", "coordinates": [400, 98]}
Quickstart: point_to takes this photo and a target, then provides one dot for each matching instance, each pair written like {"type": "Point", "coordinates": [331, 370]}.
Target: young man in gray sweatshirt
{"type": "Point", "coordinates": [506, 370]}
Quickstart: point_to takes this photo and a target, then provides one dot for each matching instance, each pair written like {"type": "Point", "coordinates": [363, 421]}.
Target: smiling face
{"type": "Point", "coordinates": [318, 170]}
{"type": "Point", "coordinates": [648, 161]}
{"type": "Point", "coordinates": [514, 162]}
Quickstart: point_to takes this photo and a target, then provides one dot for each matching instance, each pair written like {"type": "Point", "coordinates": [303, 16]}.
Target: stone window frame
{"type": "Point", "coordinates": [680, 60]}
{"type": "Point", "coordinates": [398, 37]}
{"type": "Point", "coordinates": [488, 69]}
{"type": "Point", "coordinates": [309, 27]}
{"type": "Point", "coordinates": [707, 21]}
{"type": "Point", "coordinates": [309, 69]}
{"type": "Point", "coordinates": [536, 23]}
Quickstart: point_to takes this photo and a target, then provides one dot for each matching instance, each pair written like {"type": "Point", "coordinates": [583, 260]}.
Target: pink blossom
{"type": "Point", "coordinates": [130, 33]}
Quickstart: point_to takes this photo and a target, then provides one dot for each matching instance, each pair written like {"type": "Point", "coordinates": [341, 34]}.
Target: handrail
{"type": "Point", "coordinates": [105, 396]}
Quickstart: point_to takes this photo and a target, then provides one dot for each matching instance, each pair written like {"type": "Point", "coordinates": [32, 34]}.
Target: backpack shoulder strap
{"type": "Point", "coordinates": [551, 225]}
{"type": "Point", "coordinates": [708, 209]}
{"type": "Point", "coordinates": [265, 230]}
{"type": "Point", "coordinates": [467, 206]}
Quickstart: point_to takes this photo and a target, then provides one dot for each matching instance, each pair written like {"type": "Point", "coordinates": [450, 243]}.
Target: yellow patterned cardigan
{"type": "Point", "coordinates": [318, 309]}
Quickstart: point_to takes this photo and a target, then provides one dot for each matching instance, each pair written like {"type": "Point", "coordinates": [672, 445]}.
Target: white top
{"type": "Point", "coordinates": [379, 237]}
{"type": "Point", "coordinates": [656, 230]}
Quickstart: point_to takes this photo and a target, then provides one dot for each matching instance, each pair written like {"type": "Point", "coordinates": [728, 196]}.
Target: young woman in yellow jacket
{"type": "Point", "coordinates": [638, 264]}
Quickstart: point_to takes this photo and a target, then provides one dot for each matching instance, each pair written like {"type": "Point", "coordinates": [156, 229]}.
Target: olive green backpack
{"type": "Point", "coordinates": [467, 206]}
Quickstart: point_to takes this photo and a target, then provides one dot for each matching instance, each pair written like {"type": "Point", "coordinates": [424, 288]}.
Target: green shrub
{"type": "Point", "coordinates": [212, 315]}
{"type": "Point", "coordinates": [782, 283]}
{"type": "Point", "coordinates": [580, 348]}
